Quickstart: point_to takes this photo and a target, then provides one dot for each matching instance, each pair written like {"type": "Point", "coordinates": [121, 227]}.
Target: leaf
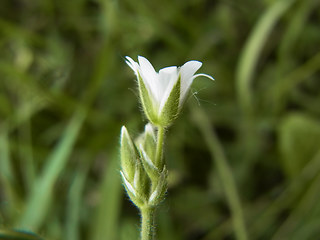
{"type": "Point", "coordinates": [18, 235]}
{"type": "Point", "coordinates": [40, 199]}
{"type": "Point", "coordinates": [299, 137]}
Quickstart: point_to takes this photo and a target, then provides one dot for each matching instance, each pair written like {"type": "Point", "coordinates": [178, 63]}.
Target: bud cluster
{"type": "Point", "coordinates": [144, 178]}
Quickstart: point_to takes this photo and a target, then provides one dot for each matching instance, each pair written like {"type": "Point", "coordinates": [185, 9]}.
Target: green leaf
{"type": "Point", "coordinates": [40, 199]}
{"type": "Point", "coordinates": [18, 235]}
{"type": "Point", "coordinates": [299, 137]}
{"type": "Point", "coordinates": [107, 212]}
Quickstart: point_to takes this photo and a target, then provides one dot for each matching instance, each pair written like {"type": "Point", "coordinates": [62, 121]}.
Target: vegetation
{"type": "Point", "coordinates": [65, 92]}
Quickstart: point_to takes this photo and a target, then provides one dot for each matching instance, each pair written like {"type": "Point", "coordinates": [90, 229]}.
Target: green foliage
{"type": "Point", "coordinates": [65, 92]}
{"type": "Point", "coordinates": [299, 138]}
{"type": "Point", "coordinates": [17, 235]}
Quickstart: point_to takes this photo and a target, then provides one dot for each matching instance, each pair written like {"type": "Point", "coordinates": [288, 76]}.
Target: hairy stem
{"type": "Point", "coordinates": [147, 219]}
{"type": "Point", "coordinates": [147, 212]}
{"type": "Point", "coordinates": [160, 137]}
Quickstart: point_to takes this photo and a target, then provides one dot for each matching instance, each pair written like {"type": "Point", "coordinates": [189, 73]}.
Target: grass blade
{"type": "Point", "coordinates": [39, 201]}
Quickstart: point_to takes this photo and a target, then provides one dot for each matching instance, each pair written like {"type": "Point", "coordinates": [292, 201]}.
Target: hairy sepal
{"type": "Point", "coordinates": [169, 112]}
{"type": "Point", "coordinates": [147, 101]}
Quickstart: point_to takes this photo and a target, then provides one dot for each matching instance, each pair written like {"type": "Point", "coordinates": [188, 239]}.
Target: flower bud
{"type": "Point", "coordinates": [129, 155]}
{"type": "Point", "coordinates": [158, 192]}
{"type": "Point", "coordinates": [134, 176]}
{"type": "Point", "coordinates": [149, 166]}
{"type": "Point", "coordinates": [148, 141]}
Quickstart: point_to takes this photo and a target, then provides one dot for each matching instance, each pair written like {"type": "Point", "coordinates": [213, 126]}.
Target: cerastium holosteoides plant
{"type": "Point", "coordinates": [144, 172]}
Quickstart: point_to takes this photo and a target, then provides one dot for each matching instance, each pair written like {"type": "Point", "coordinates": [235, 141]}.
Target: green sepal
{"type": "Point", "coordinates": [147, 102]}
{"type": "Point", "coordinates": [129, 154]}
{"type": "Point", "coordinates": [141, 183]}
{"type": "Point", "coordinates": [149, 143]}
{"type": "Point", "coordinates": [152, 171]}
{"type": "Point", "coordinates": [159, 190]}
{"type": "Point", "coordinates": [132, 193]}
{"type": "Point", "coordinates": [170, 110]}
{"type": "Point", "coordinates": [148, 140]}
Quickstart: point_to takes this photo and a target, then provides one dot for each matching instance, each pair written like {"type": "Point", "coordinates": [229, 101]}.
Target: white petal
{"type": "Point", "coordinates": [173, 79]}
{"type": "Point", "coordinates": [189, 68]}
{"type": "Point", "coordinates": [203, 75]}
{"type": "Point", "coordinates": [133, 65]}
{"type": "Point", "coordinates": [149, 129]}
{"type": "Point", "coordinates": [187, 71]}
{"type": "Point", "coordinates": [190, 81]}
{"type": "Point", "coordinates": [167, 76]}
{"type": "Point", "coordinates": [149, 76]}
{"type": "Point", "coordinates": [147, 68]}
{"type": "Point", "coordinates": [146, 80]}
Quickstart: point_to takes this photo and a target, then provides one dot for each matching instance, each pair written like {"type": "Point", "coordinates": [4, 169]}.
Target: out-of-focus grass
{"type": "Point", "coordinates": [65, 91]}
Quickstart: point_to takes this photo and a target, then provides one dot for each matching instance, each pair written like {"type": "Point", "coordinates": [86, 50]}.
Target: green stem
{"type": "Point", "coordinates": [147, 213]}
{"type": "Point", "coordinates": [160, 137]}
{"type": "Point", "coordinates": [147, 228]}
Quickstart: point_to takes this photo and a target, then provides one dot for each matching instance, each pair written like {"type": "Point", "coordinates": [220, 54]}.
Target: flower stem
{"type": "Point", "coordinates": [147, 228]}
{"type": "Point", "coordinates": [160, 137]}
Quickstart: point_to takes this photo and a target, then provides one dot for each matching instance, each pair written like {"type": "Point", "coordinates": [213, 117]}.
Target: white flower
{"type": "Point", "coordinates": [162, 94]}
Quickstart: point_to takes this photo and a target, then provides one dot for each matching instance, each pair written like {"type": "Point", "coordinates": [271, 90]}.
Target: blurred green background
{"type": "Point", "coordinates": [65, 92]}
